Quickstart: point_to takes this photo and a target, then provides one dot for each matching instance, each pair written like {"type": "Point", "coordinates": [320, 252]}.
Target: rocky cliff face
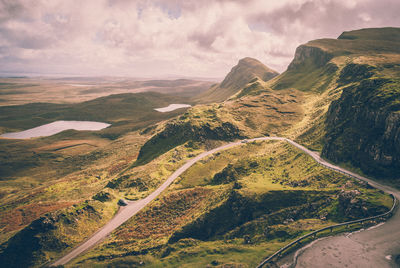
{"type": "Point", "coordinates": [310, 70]}
{"type": "Point", "coordinates": [363, 125]}
{"type": "Point", "coordinates": [309, 54]}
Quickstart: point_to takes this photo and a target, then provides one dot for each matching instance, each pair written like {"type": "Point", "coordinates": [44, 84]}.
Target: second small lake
{"type": "Point", "coordinates": [172, 107]}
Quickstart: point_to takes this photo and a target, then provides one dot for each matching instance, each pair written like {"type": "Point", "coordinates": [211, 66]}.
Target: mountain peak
{"type": "Point", "coordinates": [254, 63]}
{"type": "Point", "coordinates": [241, 74]}
{"type": "Point", "coordinates": [246, 70]}
{"type": "Point", "coordinates": [248, 60]}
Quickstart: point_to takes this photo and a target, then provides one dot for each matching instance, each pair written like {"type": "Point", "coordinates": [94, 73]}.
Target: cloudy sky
{"type": "Point", "coordinates": [166, 38]}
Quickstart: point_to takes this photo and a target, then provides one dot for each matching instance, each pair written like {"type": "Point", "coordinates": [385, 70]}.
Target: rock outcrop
{"type": "Point", "coordinates": [306, 54]}
{"type": "Point", "coordinates": [351, 206]}
{"type": "Point", "coordinates": [363, 127]}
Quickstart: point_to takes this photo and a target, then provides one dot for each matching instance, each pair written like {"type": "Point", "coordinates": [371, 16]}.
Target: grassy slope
{"type": "Point", "coordinates": [365, 66]}
{"type": "Point", "coordinates": [267, 113]}
{"type": "Point", "coordinates": [290, 112]}
{"type": "Point", "coordinates": [245, 241]}
{"type": "Point", "coordinates": [268, 183]}
{"type": "Point", "coordinates": [51, 173]}
{"type": "Point", "coordinates": [59, 178]}
{"type": "Point", "coordinates": [28, 163]}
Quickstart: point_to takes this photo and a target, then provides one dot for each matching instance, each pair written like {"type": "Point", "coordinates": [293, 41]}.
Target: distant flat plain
{"type": "Point", "coordinates": [17, 91]}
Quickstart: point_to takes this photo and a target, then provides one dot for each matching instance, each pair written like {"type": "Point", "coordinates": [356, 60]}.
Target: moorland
{"type": "Point", "coordinates": [338, 97]}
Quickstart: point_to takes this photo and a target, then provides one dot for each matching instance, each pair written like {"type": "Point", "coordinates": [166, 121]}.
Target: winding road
{"type": "Point", "coordinates": [386, 238]}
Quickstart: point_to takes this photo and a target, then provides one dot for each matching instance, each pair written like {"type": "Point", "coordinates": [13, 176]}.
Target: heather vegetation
{"type": "Point", "coordinates": [339, 97]}
{"type": "Point", "coordinates": [228, 206]}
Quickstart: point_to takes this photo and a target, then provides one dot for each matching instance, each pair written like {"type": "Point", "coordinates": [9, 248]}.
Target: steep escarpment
{"type": "Point", "coordinates": [357, 77]}
{"type": "Point", "coordinates": [247, 70]}
{"type": "Point", "coordinates": [311, 55]}
{"type": "Point", "coordinates": [310, 70]}
{"type": "Point", "coordinates": [363, 127]}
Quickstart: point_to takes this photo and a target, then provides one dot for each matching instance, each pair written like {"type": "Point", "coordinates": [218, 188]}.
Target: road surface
{"type": "Point", "coordinates": [131, 209]}
{"type": "Point", "coordinates": [378, 246]}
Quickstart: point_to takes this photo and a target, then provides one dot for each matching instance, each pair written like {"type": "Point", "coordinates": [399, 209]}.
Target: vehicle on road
{"type": "Point", "coordinates": [122, 202]}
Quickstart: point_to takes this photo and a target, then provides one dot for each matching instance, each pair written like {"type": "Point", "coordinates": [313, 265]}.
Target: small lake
{"type": "Point", "coordinates": [172, 107]}
{"type": "Point", "coordinates": [54, 128]}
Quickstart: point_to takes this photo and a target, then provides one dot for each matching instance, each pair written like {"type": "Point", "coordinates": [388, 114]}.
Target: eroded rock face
{"type": "Point", "coordinates": [314, 54]}
{"type": "Point", "coordinates": [363, 127]}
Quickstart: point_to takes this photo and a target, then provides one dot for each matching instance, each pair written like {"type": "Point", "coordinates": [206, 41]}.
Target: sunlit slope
{"type": "Point", "coordinates": [359, 73]}
{"type": "Point", "coordinates": [246, 70]}
{"type": "Point", "coordinates": [338, 96]}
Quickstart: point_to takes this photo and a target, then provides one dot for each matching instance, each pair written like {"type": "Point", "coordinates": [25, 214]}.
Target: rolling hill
{"type": "Point", "coordinates": [338, 96]}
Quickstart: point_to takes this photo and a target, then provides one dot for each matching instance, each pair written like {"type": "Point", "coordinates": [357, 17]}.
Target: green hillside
{"type": "Point", "coordinates": [362, 68]}
{"type": "Point", "coordinates": [247, 70]}
{"type": "Point", "coordinates": [338, 96]}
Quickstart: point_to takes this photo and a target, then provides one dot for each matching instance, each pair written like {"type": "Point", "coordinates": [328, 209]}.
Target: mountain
{"type": "Point", "coordinates": [344, 94]}
{"type": "Point", "coordinates": [338, 96]}
{"type": "Point", "coordinates": [359, 75]}
{"type": "Point", "coordinates": [247, 70]}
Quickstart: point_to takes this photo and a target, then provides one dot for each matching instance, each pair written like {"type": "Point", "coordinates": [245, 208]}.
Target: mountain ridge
{"type": "Point", "coordinates": [240, 203]}
{"type": "Point", "coordinates": [362, 69]}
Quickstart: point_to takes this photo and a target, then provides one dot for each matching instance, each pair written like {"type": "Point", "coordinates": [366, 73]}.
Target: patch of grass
{"type": "Point", "coordinates": [52, 234]}
{"type": "Point", "coordinates": [268, 205]}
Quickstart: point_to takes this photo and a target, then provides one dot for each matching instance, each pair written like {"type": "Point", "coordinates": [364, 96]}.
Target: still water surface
{"type": "Point", "coordinates": [172, 107]}
{"type": "Point", "coordinates": [54, 128]}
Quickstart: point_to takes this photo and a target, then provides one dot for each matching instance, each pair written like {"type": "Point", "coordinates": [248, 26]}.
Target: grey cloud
{"type": "Point", "coordinates": [205, 39]}
{"type": "Point", "coordinates": [10, 9]}
{"type": "Point", "coordinates": [24, 39]}
{"type": "Point", "coordinates": [311, 13]}
{"type": "Point", "coordinates": [203, 36]}
{"type": "Point", "coordinates": [327, 17]}
{"type": "Point", "coordinates": [276, 52]}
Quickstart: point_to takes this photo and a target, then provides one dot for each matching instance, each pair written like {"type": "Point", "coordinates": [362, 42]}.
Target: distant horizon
{"type": "Point", "coordinates": [171, 38]}
{"type": "Point", "coordinates": [11, 75]}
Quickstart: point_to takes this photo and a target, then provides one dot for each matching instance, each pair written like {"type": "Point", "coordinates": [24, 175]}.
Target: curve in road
{"type": "Point", "coordinates": [132, 208]}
